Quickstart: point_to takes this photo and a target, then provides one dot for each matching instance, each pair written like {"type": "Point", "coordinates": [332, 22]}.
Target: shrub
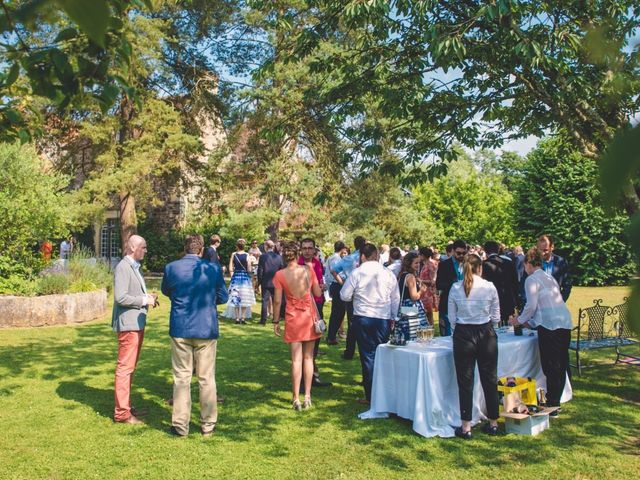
{"type": "Point", "coordinates": [17, 285]}
{"type": "Point", "coordinates": [82, 285]}
{"type": "Point", "coordinates": [51, 284]}
{"type": "Point", "coordinates": [33, 207]}
{"type": "Point", "coordinates": [85, 270]}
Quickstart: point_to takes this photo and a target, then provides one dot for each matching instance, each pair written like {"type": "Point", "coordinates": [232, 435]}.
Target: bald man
{"type": "Point", "coordinates": [130, 304]}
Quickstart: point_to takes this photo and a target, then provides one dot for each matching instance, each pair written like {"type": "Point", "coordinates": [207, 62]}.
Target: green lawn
{"type": "Point", "coordinates": [56, 403]}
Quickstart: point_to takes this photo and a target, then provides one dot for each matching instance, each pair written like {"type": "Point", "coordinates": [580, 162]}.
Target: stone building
{"type": "Point", "coordinates": [72, 153]}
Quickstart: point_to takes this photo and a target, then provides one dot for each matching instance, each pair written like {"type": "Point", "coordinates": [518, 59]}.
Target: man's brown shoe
{"type": "Point", "coordinates": [133, 420]}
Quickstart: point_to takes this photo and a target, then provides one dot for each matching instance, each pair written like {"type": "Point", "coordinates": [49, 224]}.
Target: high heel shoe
{"type": "Point", "coordinates": [296, 405]}
{"type": "Point", "coordinates": [307, 403]}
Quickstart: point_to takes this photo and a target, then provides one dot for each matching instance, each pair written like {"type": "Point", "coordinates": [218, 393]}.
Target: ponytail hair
{"type": "Point", "coordinates": [472, 265]}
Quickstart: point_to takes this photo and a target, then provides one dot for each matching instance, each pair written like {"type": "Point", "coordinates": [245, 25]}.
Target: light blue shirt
{"type": "Point", "coordinates": [348, 264]}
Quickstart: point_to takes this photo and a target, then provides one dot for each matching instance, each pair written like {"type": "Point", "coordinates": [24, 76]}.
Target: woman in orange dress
{"type": "Point", "coordinates": [428, 273]}
{"type": "Point", "coordinates": [299, 285]}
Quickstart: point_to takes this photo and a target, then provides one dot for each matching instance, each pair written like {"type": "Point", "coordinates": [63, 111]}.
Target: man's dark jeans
{"type": "Point", "coordinates": [369, 332]}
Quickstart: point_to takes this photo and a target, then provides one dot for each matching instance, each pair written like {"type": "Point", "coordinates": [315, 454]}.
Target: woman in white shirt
{"type": "Point", "coordinates": [546, 310]}
{"type": "Point", "coordinates": [473, 309]}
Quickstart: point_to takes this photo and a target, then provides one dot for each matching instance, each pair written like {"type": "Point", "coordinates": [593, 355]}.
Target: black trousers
{"type": "Point", "coordinates": [554, 358]}
{"type": "Point", "coordinates": [471, 344]}
{"type": "Point", "coordinates": [337, 311]}
{"type": "Point", "coordinates": [350, 348]}
{"type": "Point", "coordinates": [267, 294]}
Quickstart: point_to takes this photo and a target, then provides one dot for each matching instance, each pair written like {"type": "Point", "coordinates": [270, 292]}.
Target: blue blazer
{"type": "Point", "coordinates": [195, 287]}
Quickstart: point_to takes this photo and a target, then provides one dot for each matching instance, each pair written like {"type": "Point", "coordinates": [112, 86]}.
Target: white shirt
{"type": "Point", "coordinates": [384, 257]}
{"type": "Point", "coordinates": [374, 291]}
{"type": "Point", "coordinates": [544, 307]}
{"type": "Point", "coordinates": [480, 307]}
{"type": "Point", "coordinates": [65, 248]}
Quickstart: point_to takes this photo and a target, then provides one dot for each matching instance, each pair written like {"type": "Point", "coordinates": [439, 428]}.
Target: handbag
{"type": "Point", "coordinates": [318, 324]}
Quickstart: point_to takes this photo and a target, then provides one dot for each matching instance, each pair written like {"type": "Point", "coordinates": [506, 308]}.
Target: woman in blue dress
{"type": "Point", "coordinates": [241, 294]}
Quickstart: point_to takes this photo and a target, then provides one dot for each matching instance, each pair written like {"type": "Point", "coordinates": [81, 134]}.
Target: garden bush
{"type": "Point", "coordinates": [53, 283]}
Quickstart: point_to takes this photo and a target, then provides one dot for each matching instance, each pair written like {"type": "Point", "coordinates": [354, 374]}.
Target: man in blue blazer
{"type": "Point", "coordinates": [195, 287]}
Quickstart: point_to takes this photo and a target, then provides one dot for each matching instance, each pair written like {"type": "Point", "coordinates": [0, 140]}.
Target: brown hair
{"type": "Point", "coordinates": [241, 243]}
{"type": "Point", "coordinates": [290, 251]}
{"type": "Point", "coordinates": [193, 244]}
{"type": "Point", "coordinates": [472, 265]}
{"type": "Point", "coordinates": [533, 257]}
{"type": "Point", "coordinates": [407, 261]}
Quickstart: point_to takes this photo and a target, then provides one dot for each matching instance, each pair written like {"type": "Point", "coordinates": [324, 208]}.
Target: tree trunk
{"type": "Point", "coordinates": [128, 219]}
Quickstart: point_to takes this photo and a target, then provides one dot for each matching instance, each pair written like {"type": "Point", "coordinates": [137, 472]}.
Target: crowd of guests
{"type": "Point", "coordinates": [473, 289]}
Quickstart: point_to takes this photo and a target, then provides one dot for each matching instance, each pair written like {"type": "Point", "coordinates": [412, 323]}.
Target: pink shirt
{"type": "Point", "coordinates": [317, 268]}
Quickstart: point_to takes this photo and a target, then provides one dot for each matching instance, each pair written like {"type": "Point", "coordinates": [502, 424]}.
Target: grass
{"type": "Point", "coordinates": [56, 403]}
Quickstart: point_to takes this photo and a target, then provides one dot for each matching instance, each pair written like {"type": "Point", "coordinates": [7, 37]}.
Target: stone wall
{"type": "Point", "coordinates": [64, 309]}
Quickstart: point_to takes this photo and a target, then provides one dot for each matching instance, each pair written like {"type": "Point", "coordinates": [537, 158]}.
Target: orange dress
{"type": "Point", "coordinates": [300, 313]}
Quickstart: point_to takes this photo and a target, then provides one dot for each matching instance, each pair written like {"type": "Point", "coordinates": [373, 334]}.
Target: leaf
{"type": "Point", "coordinates": [620, 160]}
{"type": "Point", "coordinates": [66, 34]}
{"type": "Point", "coordinates": [12, 76]}
{"type": "Point", "coordinates": [13, 116]}
{"type": "Point", "coordinates": [91, 16]}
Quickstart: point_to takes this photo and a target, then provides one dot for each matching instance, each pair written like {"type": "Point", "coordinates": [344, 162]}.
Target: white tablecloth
{"type": "Point", "coordinates": [419, 383]}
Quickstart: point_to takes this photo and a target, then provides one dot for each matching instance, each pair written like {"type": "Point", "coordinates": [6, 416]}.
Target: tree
{"type": "Point", "coordinates": [471, 71]}
{"type": "Point", "coordinates": [468, 204]}
{"type": "Point", "coordinates": [557, 193]}
{"type": "Point", "coordinates": [62, 51]}
{"type": "Point", "coordinates": [33, 207]}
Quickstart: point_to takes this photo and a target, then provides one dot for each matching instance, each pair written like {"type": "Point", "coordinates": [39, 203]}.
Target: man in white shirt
{"type": "Point", "coordinates": [376, 298]}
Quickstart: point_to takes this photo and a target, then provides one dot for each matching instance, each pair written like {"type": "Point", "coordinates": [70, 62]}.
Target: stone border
{"type": "Point", "coordinates": [47, 310]}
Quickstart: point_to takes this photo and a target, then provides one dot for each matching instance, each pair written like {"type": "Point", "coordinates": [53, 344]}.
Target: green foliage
{"type": "Point", "coordinates": [18, 285]}
{"type": "Point", "coordinates": [33, 208]}
{"type": "Point", "coordinates": [620, 161]}
{"type": "Point", "coordinates": [86, 273]}
{"type": "Point", "coordinates": [54, 283]}
{"type": "Point", "coordinates": [558, 194]}
{"type": "Point", "coordinates": [64, 51]}
{"type": "Point", "coordinates": [468, 204]}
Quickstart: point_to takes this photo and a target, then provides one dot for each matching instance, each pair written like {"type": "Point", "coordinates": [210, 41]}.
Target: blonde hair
{"type": "Point", "coordinates": [472, 265]}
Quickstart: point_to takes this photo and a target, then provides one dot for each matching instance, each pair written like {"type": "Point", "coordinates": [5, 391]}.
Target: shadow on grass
{"type": "Point", "coordinates": [252, 373]}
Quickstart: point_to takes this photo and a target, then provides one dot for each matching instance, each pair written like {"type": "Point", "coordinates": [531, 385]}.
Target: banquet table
{"type": "Point", "coordinates": [418, 381]}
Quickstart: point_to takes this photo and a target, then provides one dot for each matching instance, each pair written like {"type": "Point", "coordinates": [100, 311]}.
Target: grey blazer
{"type": "Point", "coordinates": [128, 297]}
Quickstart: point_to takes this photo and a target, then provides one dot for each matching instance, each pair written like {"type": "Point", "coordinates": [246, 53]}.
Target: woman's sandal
{"type": "Point", "coordinates": [307, 403]}
{"type": "Point", "coordinates": [296, 405]}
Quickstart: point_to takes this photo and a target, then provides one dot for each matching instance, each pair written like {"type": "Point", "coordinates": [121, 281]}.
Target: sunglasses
{"type": "Point", "coordinates": [459, 252]}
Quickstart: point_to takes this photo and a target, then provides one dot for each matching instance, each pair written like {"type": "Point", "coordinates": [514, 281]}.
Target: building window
{"type": "Point", "coordinates": [110, 239]}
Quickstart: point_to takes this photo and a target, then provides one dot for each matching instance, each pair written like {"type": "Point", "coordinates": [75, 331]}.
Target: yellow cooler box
{"type": "Point", "coordinates": [524, 392]}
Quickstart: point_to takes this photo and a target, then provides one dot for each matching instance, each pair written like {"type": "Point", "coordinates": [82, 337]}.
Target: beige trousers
{"type": "Point", "coordinates": [184, 352]}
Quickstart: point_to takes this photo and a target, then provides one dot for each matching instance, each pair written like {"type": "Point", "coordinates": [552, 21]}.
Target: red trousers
{"type": "Point", "coordinates": [129, 345]}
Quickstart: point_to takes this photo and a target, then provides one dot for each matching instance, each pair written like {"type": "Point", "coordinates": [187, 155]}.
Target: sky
{"type": "Point", "coordinates": [521, 146]}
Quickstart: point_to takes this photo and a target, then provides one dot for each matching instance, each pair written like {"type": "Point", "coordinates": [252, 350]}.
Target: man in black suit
{"type": "Point", "coordinates": [501, 271]}
{"type": "Point", "coordinates": [268, 264]}
{"type": "Point", "coordinates": [211, 253]}
{"type": "Point", "coordinates": [449, 272]}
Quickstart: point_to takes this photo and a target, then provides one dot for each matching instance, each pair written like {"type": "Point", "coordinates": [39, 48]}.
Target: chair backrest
{"type": "Point", "coordinates": [595, 319]}
{"type": "Point", "coordinates": [622, 325]}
